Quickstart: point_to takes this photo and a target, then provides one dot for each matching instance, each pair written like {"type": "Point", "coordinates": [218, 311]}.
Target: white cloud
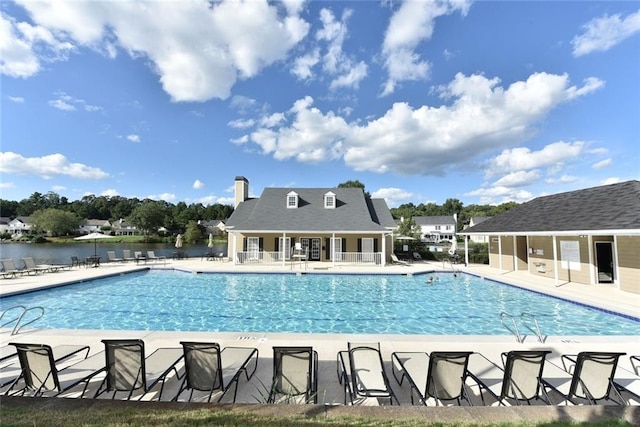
{"type": "Point", "coordinates": [564, 179]}
{"type": "Point", "coordinates": [61, 105]}
{"type": "Point", "coordinates": [242, 124]}
{"type": "Point", "coordinates": [479, 118]}
{"type": "Point", "coordinates": [602, 164]}
{"type": "Point", "coordinates": [523, 158]}
{"type": "Point", "coordinates": [110, 193]}
{"type": "Point", "coordinates": [601, 34]}
{"type": "Point", "coordinates": [133, 137]}
{"type": "Point", "coordinates": [16, 99]}
{"type": "Point", "coordinates": [199, 48]}
{"type": "Point", "coordinates": [410, 25]}
{"type": "Point", "coordinates": [197, 184]}
{"type": "Point", "coordinates": [4, 184]}
{"type": "Point", "coordinates": [393, 196]}
{"type": "Point", "coordinates": [47, 166]}
{"type": "Point", "coordinates": [58, 188]}
{"type": "Point", "coordinates": [168, 197]}
{"type": "Point", "coordinates": [518, 179]}
{"type": "Point", "coordinates": [497, 195]}
{"type": "Point", "coordinates": [611, 180]}
{"type": "Point", "coordinates": [67, 102]}
{"type": "Point", "coordinates": [303, 65]}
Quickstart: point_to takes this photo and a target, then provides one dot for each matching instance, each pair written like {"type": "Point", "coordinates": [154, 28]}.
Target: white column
{"type": "Point", "coordinates": [515, 253]}
{"type": "Point", "coordinates": [235, 250]}
{"type": "Point", "coordinates": [333, 249]}
{"type": "Point", "coordinates": [500, 253]}
{"type": "Point", "coordinates": [592, 269]}
{"type": "Point", "coordinates": [284, 254]}
{"type": "Point", "coordinates": [466, 251]}
{"type": "Point", "coordinates": [384, 249]}
{"type": "Point", "coordinates": [555, 259]}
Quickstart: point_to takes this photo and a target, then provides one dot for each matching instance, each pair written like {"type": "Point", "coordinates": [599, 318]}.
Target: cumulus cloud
{"type": "Point", "coordinates": [524, 159]}
{"type": "Point", "coordinates": [410, 25]}
{"type": "Point", "coordinates": [477, 116]}
{"type": "Point", "coordinates": [601, 34]}
{"type": "Point", "coordinates": [518, 179]}
{"type": "Point", "coordinates": [197, 184]}
{"type": "Point", "coordinates": [47, 166]}
{"type": "Point", "coordinates": [303, 65]}
{"type": "Point", "coordinates": [602, 164]}
{"type": "Point", "coordinates": [393, 196]}
{"type": "Point", "coordinates": [4, 184]}
{"type": "Point", "coordinates": [199, 49]}
{"type": "Point", "coordinates": [58, 188]}
{"type": "Point", "coordinates": [497, 195]}
{"type": "Point", "coordinates": [133, 137]}
{"type": "Point", "coordinates": [611, 180]}
{"type": "Point", "coordinates": [16, 99]}
{"type": "Point", "coordinates": [110, 192]}
{"type": "Point", "coordinates": [168, 197]}
{"type": "Point", "coordinates": [564, 179]}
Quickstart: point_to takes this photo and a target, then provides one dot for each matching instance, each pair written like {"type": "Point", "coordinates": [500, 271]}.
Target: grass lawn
{"type": "Point", "coordinates": [116, 413]}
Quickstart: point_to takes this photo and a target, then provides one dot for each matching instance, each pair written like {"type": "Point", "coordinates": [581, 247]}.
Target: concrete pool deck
{"type": "Point", "coordinates": [328, 345]}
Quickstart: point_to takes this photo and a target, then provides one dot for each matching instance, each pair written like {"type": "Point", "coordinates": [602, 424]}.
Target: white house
{"type": "Point", "coordinates": [475, 220]}
{"type": "Point", "coordinates": [19, 225]}
{"type": "Point", "coordinates": [89, 226]}
{"type": "Point", "coordinates": [436, 229]}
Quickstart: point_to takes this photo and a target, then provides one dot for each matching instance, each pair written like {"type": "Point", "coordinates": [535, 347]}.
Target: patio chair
{"type": "Point", "coordinates": [129, 370]}
{"type": "Point", "coordinates": [30, 264]}
{"type": "Point", "coordinates": [38, 370]}
{"type": "Point", "coordinates": [361, 371]}
{"type": "Point", "coordinates": [111, 257]}
{"type": "Point", "coordinates": [126, 255]}
{"type": "Point", "coordinates": [635, 364]}
{"type": "Point", "coordinates": [592, 379]}
{"type": "Point", "coordinates": [77, 262]}
{"type": "Point", "coordinates": [417, 257]}
{"type": "Point", "coordinates": [151, 256]}
{"type": "Point", "coordinates": [440, 375]}
{"type": "Point", "coordinates": [395, 260]}
{"type": "Point", "coordinates": [209, 369]}
{"type": "Point", "coordinates": [520, 380]}
{"type": "Point", "coordinates": [9, 269]}
{"type": "Point", "coordinates": [295, 375]}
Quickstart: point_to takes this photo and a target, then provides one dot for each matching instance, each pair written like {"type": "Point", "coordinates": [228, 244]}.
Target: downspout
{"type": "Point", "coordinates": [555, 259]}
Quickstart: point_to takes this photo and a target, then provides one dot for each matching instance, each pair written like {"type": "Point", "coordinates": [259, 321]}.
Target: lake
{"type": "Point", "coordinates": [53, 253]}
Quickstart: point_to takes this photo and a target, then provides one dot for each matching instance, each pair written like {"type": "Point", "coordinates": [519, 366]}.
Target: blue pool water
{"type": "Point", "coordinates": [310, 303]}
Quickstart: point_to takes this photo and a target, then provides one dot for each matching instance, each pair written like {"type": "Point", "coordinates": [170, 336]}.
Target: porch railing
{"type": "Point", "coordinates": [341, 258]}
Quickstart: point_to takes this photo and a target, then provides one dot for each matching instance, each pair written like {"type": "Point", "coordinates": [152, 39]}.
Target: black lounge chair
{"type": "Point", "coordinates": [440, 375]}
{"type": "Point", "coordinates": [209, 369]}
{"type": "Point", "coordinates": [129, 370]}
{"type": "Point", "coordinates": [295, 375]}
{"type": "Point", "coordinates": [361, 371]}
{"type": "Point", "coordinates": [519, 381]}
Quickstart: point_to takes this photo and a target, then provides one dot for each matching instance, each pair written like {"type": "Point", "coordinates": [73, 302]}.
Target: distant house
{"type": "Point", "coordinates": [4, 224]}
{"type": "Point", "coordinates": [215, 227]}
{"type": "Point", "coordinates": [88, 226]}
{"type": "Point", "coordinates": [20, 225]}
{"type": "Point", "coordinates": [338, 225]}
{"type": "Point", "coordinates": [436, 229]}
{"type": "Point", "coordinates": [123, 228]}
{"type": "Point", "coordinates": [475, 220]}
{"type": "Point", "coordinates": [588, 236]}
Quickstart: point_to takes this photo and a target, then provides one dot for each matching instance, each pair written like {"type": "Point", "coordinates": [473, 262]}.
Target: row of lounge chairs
{"type": "Point", "coordinates": [439, 378]}
{"type": "Point", "coordinates": [9, 269]}
{"type": "Point", "coordinates": [137, 256]}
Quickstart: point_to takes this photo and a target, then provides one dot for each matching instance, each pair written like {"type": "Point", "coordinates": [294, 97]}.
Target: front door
{"type": "Point", "coordinates": [313, 247]}
{"type": "Point", "coordinates": [604, 259]}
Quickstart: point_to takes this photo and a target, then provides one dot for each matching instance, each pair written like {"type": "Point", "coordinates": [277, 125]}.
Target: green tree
{"type": "Point", "coordinates": [354, 184]}
{"type": "Point", "coordinates": [55, 222]}
{"type": "Point", "coordinates": [148, 217]}
{"type": "Point", "coordinates": [194, 233]}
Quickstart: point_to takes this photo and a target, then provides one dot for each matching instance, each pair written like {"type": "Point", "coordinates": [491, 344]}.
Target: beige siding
{"type": "Point", "coordinates": [507, 253]}
{"type": "Point", "coordinates": [628, 251]}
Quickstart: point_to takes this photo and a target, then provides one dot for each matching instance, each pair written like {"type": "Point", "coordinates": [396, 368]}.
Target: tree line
{"type": "Point", "coordinates": [58, 216]}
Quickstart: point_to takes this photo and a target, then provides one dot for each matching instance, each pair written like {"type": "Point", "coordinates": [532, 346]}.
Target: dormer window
{"type": "Point", "coordinates": [330, 200]}
{"type": "Point", "coordinates": [292, 200]}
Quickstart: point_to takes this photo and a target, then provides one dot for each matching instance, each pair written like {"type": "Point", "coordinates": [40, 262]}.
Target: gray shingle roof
{"type": "Point", "coordinates": [434, 220]}
{"type": "Point", "coordinates": [353, 213]}
{"type": "Point", "coordinates": [609, 207]}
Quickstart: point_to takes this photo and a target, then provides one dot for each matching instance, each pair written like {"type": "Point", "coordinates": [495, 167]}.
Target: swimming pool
{"type": "Point", "coordinates": [310, 303]}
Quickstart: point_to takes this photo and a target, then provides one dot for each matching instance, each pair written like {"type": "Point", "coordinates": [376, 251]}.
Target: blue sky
{"type": "Point", "coordinates": [421, 101]}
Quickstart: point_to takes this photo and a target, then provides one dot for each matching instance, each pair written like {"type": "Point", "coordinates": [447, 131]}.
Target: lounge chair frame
{"type": "Point", "coordinates": [39, 370]}
{"type": "Point", "coordinates": [206, 365]}
{"type": "Point", "coordinates": [585, 390]}
{"type": "Point", "coordinates": [126, 366]}
{"type": "Point", "coordinates": [351, 373]}
{"type": "Point", "coordinates": [293, 383]}
{"type": "Point", "coordinates": [440, 387]}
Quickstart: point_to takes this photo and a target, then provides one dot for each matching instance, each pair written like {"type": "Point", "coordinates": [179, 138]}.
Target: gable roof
{"type": "Point", "coordinates": [353, 212]}
{"type": "Point", "coordinates": [609, 209]}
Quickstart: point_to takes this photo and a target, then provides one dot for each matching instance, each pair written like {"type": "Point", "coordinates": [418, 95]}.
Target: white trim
{"type": "Point", "coordinates": [292, 196]}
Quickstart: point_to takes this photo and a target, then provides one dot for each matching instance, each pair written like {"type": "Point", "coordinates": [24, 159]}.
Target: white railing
{"type": "Point", "coordinates": [341, 258]}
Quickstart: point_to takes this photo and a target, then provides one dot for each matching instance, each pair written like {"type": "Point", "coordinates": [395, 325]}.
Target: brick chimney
{"type": "Point", "coordinates": [241, 190]}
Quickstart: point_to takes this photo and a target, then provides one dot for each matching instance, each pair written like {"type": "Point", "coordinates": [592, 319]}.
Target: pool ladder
{"type": "Point", "coordinates": [525, 320]}
{"type": "Point", "coordinates": [17, 320]}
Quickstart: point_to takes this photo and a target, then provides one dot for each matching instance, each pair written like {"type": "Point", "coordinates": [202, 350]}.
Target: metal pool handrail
{"type": "Point", "coordinates": [17, 327]}
{"type": "Point", "coordinates": [515, 329]}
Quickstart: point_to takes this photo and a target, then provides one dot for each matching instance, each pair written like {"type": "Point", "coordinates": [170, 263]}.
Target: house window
{"type": "Point", "coordinates": [437, 227]}
{"type": "Point", "coordinates": [292, 200]}
{"type": "Point", "coordinates": [330, 200]}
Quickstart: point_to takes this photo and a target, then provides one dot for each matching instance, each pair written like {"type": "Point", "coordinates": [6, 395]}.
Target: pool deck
{"type": "Point", "coordinates": [328, 345]}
